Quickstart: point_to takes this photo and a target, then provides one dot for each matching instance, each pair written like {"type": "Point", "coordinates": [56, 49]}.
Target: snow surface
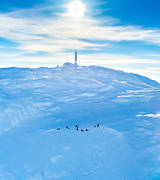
{"type": "Point", "coordinates": [35, 102]}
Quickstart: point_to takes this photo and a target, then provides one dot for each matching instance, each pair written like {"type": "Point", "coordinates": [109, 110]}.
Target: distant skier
{"type": "Point", "coordinates": [82, 130]}
{"type": "Point", "coordinates": [95, 126]}
{"type": "Point", "coordinates": [98, 125]}
{"type": "Point", "coordinates": [77, 128]}
{"type": "Point", "coordinates": [87, 129]}
{"type": "Point", "coordinates": [58, 129]}
{"type": "Point", "coordinates": [67, 127]}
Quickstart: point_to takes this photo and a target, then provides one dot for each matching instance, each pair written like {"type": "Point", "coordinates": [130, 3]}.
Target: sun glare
{"type": "Point", "coordinates": [76, 9]}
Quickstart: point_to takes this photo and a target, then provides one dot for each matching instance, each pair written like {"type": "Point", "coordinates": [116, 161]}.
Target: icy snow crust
{"type": "Point", "coordinates": [35, 102]}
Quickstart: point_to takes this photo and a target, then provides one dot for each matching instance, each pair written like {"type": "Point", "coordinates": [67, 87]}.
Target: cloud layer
{"type": "Point", "coordinates": [36, 32]}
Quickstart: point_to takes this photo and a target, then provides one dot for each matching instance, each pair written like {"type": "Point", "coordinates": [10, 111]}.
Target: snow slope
{"type": "Point", "coordinates": [98, 154]}
{"type": "Point", "coordinates": [34, 102]}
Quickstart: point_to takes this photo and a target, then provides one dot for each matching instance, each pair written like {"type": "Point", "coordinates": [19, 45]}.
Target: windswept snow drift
{"type": "Point", "coordinates": [34, 102]}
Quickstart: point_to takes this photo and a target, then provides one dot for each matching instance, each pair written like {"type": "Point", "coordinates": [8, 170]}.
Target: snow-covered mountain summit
{"type": "Point", "coordinates": [35, 102]}
{"type": "Point", "coordinates": [69, 93]}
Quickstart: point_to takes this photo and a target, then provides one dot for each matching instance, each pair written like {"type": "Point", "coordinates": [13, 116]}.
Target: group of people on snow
{"type": "Point", "coordinates": [82, 130]}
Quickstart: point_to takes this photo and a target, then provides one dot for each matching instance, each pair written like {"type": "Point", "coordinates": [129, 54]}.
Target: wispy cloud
{"type": "Point", "coordinates": [52, 34]}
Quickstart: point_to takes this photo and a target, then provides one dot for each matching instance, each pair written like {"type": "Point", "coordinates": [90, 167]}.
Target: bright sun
{"type": "Point", "coordinates": [76, 9]}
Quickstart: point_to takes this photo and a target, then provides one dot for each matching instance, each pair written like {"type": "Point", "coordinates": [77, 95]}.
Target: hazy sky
{"type": "Point", "coordinates": [121, 34]}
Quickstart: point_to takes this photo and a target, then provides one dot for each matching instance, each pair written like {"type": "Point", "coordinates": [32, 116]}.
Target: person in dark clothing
{"type": "Point", "coordinates": [98, 125]}
{"type": "Point", "coordinates": [87, 130]}
{"type": "Point", "coordinates": [77, 127]}
{"type": "Point", "coordinates": [67, 127]}
{"type": "Point", "coordinates": [95, 126]}
{"type": "Point", "coordinates": [82, 130]}
{"type": "Point", "coordinates": [58, 129]}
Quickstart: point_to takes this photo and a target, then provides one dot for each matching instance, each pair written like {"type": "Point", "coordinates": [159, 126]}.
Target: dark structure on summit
{"type": "Point", "coordinates": [76, 58]}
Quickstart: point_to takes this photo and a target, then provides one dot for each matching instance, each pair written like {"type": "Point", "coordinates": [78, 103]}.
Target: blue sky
{"type": "Point", "coordinates": [119, 34]}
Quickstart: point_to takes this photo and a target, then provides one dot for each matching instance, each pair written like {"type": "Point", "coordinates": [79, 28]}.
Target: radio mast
{"type": "Point", "coordinates": [76, 57]}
